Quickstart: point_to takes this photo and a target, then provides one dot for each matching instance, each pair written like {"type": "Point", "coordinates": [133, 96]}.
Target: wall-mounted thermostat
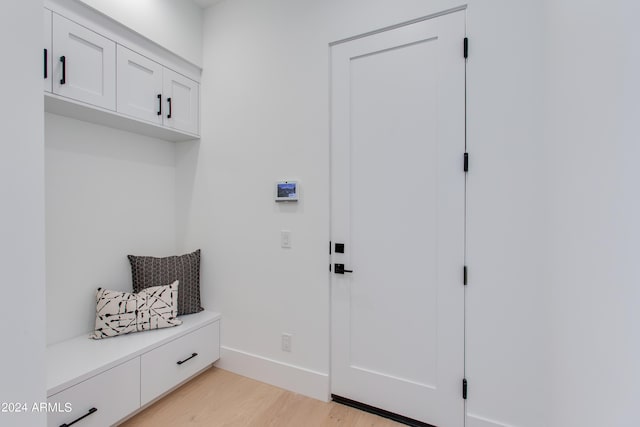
{"type": "Point", "coordinates": [287, 191]}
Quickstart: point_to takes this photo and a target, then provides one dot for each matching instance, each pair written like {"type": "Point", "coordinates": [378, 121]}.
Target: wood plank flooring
{"type": "Point", "coordinates": [221, 398]}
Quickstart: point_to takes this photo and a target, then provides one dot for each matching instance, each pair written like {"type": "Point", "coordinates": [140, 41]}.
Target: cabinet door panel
{"type": "Point", "coordinates": [183, 105]}
{"type": "Point", "coordinates": [114, 394]}
{"type": "Point", "coordinates": [88, 73]}
{"type": "Point", "coordinates": [139, 86]}
{"type": "Point", "coordinates": [47, 54]}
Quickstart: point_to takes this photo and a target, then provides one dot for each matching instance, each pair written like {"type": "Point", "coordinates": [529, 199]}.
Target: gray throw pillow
{"type": "Point", "coordinates": [151, 271]}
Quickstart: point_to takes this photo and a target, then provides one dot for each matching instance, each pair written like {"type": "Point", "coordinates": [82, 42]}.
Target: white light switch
{"type": "Point", "coordinates": [285, 238]}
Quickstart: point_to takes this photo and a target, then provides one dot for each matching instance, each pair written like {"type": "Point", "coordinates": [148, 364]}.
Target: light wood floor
{"type": "Point", "coordinates": [221, 398]}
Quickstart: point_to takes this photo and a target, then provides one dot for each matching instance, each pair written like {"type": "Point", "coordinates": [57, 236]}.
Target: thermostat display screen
{"type": "Point", "coordinates": [287, 191]}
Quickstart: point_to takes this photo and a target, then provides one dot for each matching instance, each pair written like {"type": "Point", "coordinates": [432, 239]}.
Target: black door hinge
{"type": "Point", "coordinates": [464, 275]}
{"type": "Point", "coordinates": [466, 47]}
{"type": "Point", "coordinates": [464, 388]}
{"type": "Point", "coordinates": [466, 162]}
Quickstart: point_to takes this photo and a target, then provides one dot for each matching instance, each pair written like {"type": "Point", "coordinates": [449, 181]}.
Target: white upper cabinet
{"type": "Point", "coordinates": [181, 102]}
{"type": "Point", "coordinates": [97, 70]}
{"type": "Point", "coordinates": [148, 91]}
{"type": "Point", "coordinates": [139, 86]}
{"type": "Point", "coordinates": [84, 64]}
{"type": "Point", "coordinates": [47, 51]}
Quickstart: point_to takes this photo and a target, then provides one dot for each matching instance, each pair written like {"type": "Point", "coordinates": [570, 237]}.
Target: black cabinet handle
{"type": "Point", "coordinates": [91, 411]}
{"type": "Point", "coordinates": [159, 104]}
{"type": "Point", "coordinates": [45, 63]}
{"type": "Point", "coordinates": [188, 358]}
{"type": "Point", "coordinates": [63, 80]}
{"type": "Point", "coordinates": [169, 101]}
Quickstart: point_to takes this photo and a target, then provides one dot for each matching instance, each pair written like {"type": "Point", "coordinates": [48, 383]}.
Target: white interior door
{"type": "Point", "coordinates": [398, 191]}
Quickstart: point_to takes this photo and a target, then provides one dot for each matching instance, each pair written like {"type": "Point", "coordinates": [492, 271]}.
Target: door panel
{"type": "Point", "coordinates": [139, 86]}
{"type": "Point", "coordinates": [90, 64]}
{"type": "Point", "coordinates": [183, 94]}
{"type": "Point", "coordinates": [379, 132]}
{"type": "Point", "coordinates": [398, 205]}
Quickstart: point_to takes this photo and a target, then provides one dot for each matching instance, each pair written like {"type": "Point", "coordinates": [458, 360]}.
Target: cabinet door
{"type": "Point", "coordinates": [102, 400]}
{"type": "Point", "coordinates": [181, 102]}
{"type": "Point", "coordinates": [139, 86]}
{"type": "Point", "coordinates": [47, 51]}
{"type": "Point", "coordinates": [85, 64]}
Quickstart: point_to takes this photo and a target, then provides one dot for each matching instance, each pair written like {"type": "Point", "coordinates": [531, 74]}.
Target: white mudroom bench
{"type": "Point", "coordinates": [102, 382]}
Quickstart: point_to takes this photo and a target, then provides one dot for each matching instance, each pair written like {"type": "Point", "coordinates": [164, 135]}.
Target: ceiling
{"type": "Point", "coordinates": [206, 3]}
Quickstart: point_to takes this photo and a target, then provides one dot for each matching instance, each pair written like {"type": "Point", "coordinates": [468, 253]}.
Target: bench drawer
{"type": "Point", "coordinates": [114, 394]}
{"type": "Point", "coordinates": [165, 367]}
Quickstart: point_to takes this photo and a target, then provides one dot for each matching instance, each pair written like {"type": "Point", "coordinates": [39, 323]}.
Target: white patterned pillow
{"type": "Point", "coordinates": [119, 313]}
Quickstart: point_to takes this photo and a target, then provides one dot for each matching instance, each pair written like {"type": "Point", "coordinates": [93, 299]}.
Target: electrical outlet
{"type": "Point", "coordinates": [286, 342]}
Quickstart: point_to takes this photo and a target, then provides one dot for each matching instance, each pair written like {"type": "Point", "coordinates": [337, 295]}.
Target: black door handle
{"type": "Point", "coordinates": [339, 269]}
{"type": "Point", "coordinates": [91, 411]}
{"type": "Point", "coordinates": [169, 101]}
{"type": "Point", "coordinates": [63, 80]}
{"type": "Point", "coordinates": [180, 362]}
{"type": "Point", "coordinates": [46, 56]}
{"type": "Point", "coordinates": [159, 104]}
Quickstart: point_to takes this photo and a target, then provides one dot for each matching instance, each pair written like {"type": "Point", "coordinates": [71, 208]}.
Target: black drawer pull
{"type": "Point", "coordinates": [169, 101]}
{"type": "Point", "coordinates": [159, 104]}
{"type": "Point", "coordinates": [91, 411]}
{"type": "Point", "coordinates": [188, 358]}
{"type": "Point", "coordinates": [46, 57]}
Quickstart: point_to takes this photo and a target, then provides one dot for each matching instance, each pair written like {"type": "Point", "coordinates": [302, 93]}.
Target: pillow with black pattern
{"type": "Point", "coordinates": [119, 313]}
{"type": "Point", "coordinates": [147, 271]}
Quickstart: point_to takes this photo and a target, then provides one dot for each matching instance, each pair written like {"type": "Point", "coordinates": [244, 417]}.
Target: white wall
{"type": "Point", "coordinates": [265, 117]}
{"type": "Point", "coordinates": [173, 24]}
{"type": "Point", "coordinates": [109, 193]}
{"type": "Point", "coordinates": [592, 143]}
{"type": "Point", "coordinates": [22, 246]}
{"type": "Point", "coordinates": [507, 327]}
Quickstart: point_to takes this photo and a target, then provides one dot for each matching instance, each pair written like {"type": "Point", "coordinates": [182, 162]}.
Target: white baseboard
{"type": "Point", "coordinates": [478, 421]}
{"type": "Point", "coordinates": [290, 377]}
